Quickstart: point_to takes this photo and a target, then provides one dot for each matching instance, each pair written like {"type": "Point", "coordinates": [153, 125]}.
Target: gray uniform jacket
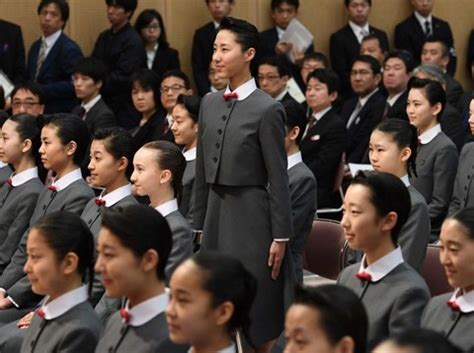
{"type": "Point", "coordinates": [463, 193]}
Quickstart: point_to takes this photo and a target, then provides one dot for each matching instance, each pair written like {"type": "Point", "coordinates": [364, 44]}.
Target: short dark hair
{"type": "Point", "coordinates": [66, 232]}
{"type": "Point", "coordinates": [246, 33]}
{"type": "Point", "coordinates": [118, 142]}
{"type": "Point", "coordinates": [405, 56]}
{"type": "Point", "coordinates": [128, 5]}
{"type": "Point", "coordinates": [32, 87]}
{"type": "Point", "coordinates": [327, 77]}
{"type": "Point", "coordinates": [71, 128]}
{"type": "Point", "coordinates": [277, 62]}
{"type": "Point", "coordinates": [373, 63]}
{"type": "Point", "coordinates": [192, 105]}
{"type": "Point", "coordinates": [145, 18]}
{"type": "Point", "coordinates": [433, 91]}
{"type": "Point", "coordinates": [465, 216]}
{"type": "Point", "coordinates": [275, 3]}
{"type": "Point", "coordinates": [295, 116]}
{"type": "Point", "coordinates": [226, 279]}
{"type": "Point", "coordinates": [230, 1]}
{"type": "Point", "coordinates": [341, 313]}
{"type": "Point", "coordinates": [91, 67]}
{"type": "Point", "coordinates": [388, 194]}
{"type": "Point", "coordinates": [348, 2]}
{"type": "Point", "coordinates": [444, 45]}
{"type": "Point", "coordinates": [179, 74]}
{"type": "Point", "coordinates": [422, 340]}
{"type": "Point", "coordinates": [317, 56]}
{"type": "Point", "coordinates": [147, 80]}
{"type": "Point", "coordinates": [382, 45]}
{"type": "Point", "coordinates": [61, 4]}
{"type": "Point", "coordinates": [140, 228]}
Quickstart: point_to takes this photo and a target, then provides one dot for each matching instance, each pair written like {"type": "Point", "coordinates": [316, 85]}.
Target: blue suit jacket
{"type": "Point", "coordinates": [55, 73]}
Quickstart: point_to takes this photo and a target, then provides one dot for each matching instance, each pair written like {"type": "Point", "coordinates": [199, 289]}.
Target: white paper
{"type": "Point", "coordinates": [355, 167]}
{"type": "Point", "coordinates": [298, 35]}
{"type": "Point", "coordinates": [295, 91]}
{"type": "Point", "coordinates": [6, 84]}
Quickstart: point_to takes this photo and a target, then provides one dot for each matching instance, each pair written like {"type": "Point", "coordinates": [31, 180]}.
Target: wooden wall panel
{"type": "Point", "coordinates": [182, 17]}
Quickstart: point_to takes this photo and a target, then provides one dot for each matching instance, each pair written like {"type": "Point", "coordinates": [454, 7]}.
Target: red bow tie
{"type": "Point", "coordinates": [453, 305]}
{"type": "Point", "coordinates": [125, 315]}
{"type": "Point", "coordinates": [40, 313]}
{"type": "Point", "coordinates": [231, 95]}
{"type": "Point", "coordinates": [52, 188]}
{"type": "Point", "coordinates": [9, 181]}
{"type": "Point", "coordinates": [99, 202]}
{"type": "Point", "coordinates": [364, 276]}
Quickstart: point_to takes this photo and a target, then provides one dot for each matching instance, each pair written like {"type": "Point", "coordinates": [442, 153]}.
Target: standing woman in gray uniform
{"type": "Point", "coordinates": [242, 198]}
{"type": "Point", "coordinates": [21, 141]}
{"type": "Point", "coordinates": [5, 170]}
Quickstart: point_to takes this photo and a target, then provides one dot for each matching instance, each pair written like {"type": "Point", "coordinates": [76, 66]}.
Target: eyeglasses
{"type": "Point", "coordinates": [269, 78]}
{"type": "Point", "coordinates": [27, 105]}
{"type": "Point", "coordinates": [174, 88]}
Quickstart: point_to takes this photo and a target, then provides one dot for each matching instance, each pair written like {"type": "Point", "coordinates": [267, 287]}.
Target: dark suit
{"type": "Point", "coordinates": [322, 149]}
{"type": "Point", "coordinates": [12, 51]}
{"type": "Point", "coordinates": [55, 75]}
{"type": "Point", "coordinates": [361, 128]}
{"type": "Point", "coordinates": [455, 326]}
{"type": "Point", "coordinates": [409, 35]}
{"type": "Point", "coordinates": [99, 116]}
{"type": "Point", "coordinates": [186, 205]}
{"type": "Point", "coordinates": [201, 56]}
{"type": "Point", "coordinates": [397, 111]}
{"type": "Point", "coordinates": [154, 129]}
{"type": "Point", "coordinates": [393, 304]}
{"type": "Point", "coordinates": [166, 58]}
{"type": "Point", "coordinates": [470, 51]}
{"type": "Point", "coordinates": [344, 49]}
{"type": "Point", "coordinates": [452, 125]}
{"type": "Point", "coordinates": [454, 90]}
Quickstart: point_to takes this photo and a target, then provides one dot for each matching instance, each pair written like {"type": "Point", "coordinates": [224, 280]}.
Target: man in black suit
{"type": "Point", "coordinates": [371, 45]}
{"type": "Point", "coordinates": [324, 140]}
{"type": "Point", "coordinates": [12, 51]}
{"type": "Point", "coordinates": [203, 43]}
{"type": "Point", "coordinates": [311, 62]}
{"type": "Point", "coordinates": [345, 43]}
{"type": "Point", "coordinates": [273, 76]}
{"type": "Point", "coordinates": [411, 33]}
{"type": "Point", "coordinates": [397, 71]}
{"type": "Point", "coordinates": [359, 111]}
{"type": "Point", "coordinates": [121, 49]}
{"type": "Point", "coordinates": [436, 52]}
{"type": "Point", "coordinates": [89, 75]}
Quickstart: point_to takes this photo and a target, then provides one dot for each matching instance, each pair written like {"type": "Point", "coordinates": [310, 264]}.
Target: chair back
{"type": "Point", "coordinates": [433, 272]}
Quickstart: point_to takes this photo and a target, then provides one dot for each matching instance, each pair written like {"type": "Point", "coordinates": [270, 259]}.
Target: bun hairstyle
{"type": "Point", "coordinates": [226, 279]}
{"type": "Point", "coordinates": [404, 135]}
{"type": "Point", "coordinates": [140, 228]}
{"type": "Point", "coordinates": [66, 232]}
{"type": "Point", "coordinates": [170, 157]}
{"type": "Point", "coordinates": [387, 194]}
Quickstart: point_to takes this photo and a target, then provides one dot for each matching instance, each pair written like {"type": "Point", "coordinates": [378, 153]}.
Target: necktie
{"type": "Point", "coordinates": [124, 313]}
{"type": "Point", "coordinates": [99, 201]}
{"type": "Point", "coordinates": [354, 114]}
{"type": "Point", "coordinates": [230, 96]}
{"type": "Point", "coordinates": [453, 305]}
{"type": "Point", "coordinates": [363, 34]}
{"type": "Point", "coordinates": [385, 112]}
{"type": "Point", "coordinates": [41, 57]}
{"type": "Point", "coordinates": [364, 276]}
{"type": "Point", "coordinates": [312, 122]}
{"type": "Point", "coordinates": [81, 113]}
{"type": "Point", "coordinates": [427, 29]}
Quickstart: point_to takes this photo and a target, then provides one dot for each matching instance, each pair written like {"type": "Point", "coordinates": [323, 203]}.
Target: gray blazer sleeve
{"type": "Point", "coordinates": [463, 171]}
{"type": "Point", "coordinates": [182, 241]}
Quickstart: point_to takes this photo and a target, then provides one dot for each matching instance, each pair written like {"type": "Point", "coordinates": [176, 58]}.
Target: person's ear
{"type": "Point", "coordinates": [390, 221]}
{"type": "Point", "coordinates": [405, 154]}
{"type": "Point", "coordinates": [223, 313]}
{"type": "Point", "coordinates": [26, 146]}
{"type": "Point", "coordinates": [71, 148]}
{"type": "Point", "coordinates": [70, 263]}
{"type": "Point", "coordinates": [249, 54]}
{"type": "Point", "coordinates": [150, 260]}
{"type": "Point", "coordinates": [122, 164]}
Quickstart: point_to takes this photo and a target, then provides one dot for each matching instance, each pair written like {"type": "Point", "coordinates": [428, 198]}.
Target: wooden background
{"type": "Point", "coordinates": [182, 17]}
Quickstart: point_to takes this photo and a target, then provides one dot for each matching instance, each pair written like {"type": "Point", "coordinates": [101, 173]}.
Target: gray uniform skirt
{"type": "Point", "coordinates": [238, 223]}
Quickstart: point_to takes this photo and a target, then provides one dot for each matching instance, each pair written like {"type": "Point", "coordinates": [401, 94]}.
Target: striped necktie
{"type": "Point", "coordinates": [41, 58]}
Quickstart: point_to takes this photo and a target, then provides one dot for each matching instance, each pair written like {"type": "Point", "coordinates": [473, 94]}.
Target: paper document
{"type": "Point", "coordinates": [355, 167]}
{"type": "Point", "coordinates": [6, 84]}
{"type": "Point", "coordinates": [298, 35]}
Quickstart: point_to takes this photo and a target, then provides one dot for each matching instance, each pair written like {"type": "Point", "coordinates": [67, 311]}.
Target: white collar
{"type": "Point", "coordinates": [52, 38]}
{"type": "Point", "coordinates": [24, 176]}
{"type": "Point", "coordinates": [230, 349]}
{"type": "Point", "coordinates": [383, 266]}
{"type": "Point", "coordinates": [141, 313]}
{"type": "Point", "coordinates": [320, 114]}
{"type": "Point", "coordinates": [115, 196]}
{"type": "Point", "coordinates": [465, 301]}
{"type": "Point", "coordinates": [294, 159]}
{"type": "Point", "coordinates": [405, 180]}
{"type": "Point", "coordinates": [280, 32]}
{"type": "Point", "coordinates": [216, 24]}
{"type": "Point", "coordinates": [88, 106]}
{"type": "Point", "coordinates": [423, 19]}
{"type": "Point", "coordinates": [3, 164]}
{"type": "Point", "coordinates": [67, 179]}
{"type": "Point", "coordinates": [357, 30]}
{"type": "Point", "coordinates": [281, 95]}
{"type": "Point", "coordinates": [244, 90]}
{"type": "Point", "coordinates": [364, 100]}
{"type": "Point", "coordinates": [214, 89]}
{"type": "Point", "coordinates": [64, 303]}
{"type": "Point", "coordinates": [430, 134]}
{"type": "Point", "coordinates": [190, 155]}
{"type": "Point", "coordinates": [169, 117]}
{"type": "Point", "coordinates": [167, 207]}
{"type": "Point", "coordinates": [394, 98]}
